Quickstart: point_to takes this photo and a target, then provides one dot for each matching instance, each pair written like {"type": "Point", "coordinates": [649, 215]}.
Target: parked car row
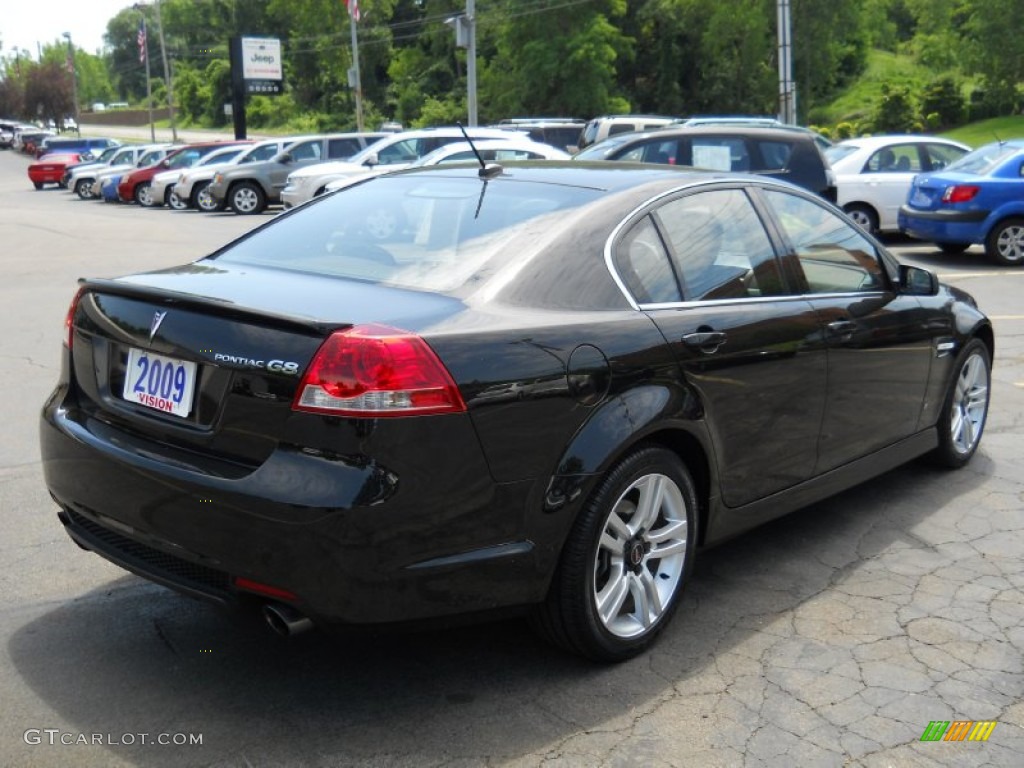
{"type": "Point", "coordinates": [924, 186]}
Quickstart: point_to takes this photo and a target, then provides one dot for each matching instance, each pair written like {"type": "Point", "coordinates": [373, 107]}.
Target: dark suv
{"type": "Point", "coordinates": [784, 152]}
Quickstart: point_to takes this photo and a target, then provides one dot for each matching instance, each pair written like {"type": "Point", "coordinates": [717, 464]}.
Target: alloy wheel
{"type": "Point", "coordinates": [970, 404]}
{"type": "Point", "coordinates": [641, 556]}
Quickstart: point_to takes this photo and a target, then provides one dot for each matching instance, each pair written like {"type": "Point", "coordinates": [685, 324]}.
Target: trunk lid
{"type": "Point", "coordinates": [243, 338]}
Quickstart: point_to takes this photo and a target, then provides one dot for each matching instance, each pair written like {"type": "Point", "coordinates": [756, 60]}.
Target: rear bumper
{"type": "Point", "coordinates": [943, 226]}
{"type": "Point", "coordinates": [353, 543]}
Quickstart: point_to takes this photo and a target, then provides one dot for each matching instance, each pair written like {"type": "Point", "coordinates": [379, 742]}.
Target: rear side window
{"type": "Point", "coordinates": [720, 247]}
{"type": "Point", "coordinates": [775, 155]}
{"type": "Point", "coordinates": [941, 155]}
{"type": "Point", "coordinates": [644, 265]}
{"type": "Point", "coordinates": [720, 153]}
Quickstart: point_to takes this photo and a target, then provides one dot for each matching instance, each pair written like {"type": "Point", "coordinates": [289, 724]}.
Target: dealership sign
{"type": "Point", "coordinates": [261, 65]}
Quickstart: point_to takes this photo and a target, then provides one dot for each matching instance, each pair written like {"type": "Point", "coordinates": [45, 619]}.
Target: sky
{"type": "Point", "coordinates": [23, 24]}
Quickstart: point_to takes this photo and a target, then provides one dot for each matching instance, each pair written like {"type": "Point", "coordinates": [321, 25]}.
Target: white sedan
{"type": "Point", "coordinates": [383, 224]}
{"type": "Point", "coordinates": [874, 173]}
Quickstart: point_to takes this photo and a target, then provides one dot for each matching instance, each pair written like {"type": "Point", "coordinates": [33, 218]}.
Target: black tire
{"type": "Point", "coordinates": [965, 407]}
{"type": "Point", "coordinates": [247, 198]}
{"type": "Point", "coordinates": [37, 184]}
{"type": "Point", "coordinates": [172, 201]}
{"type": "Point", "coordinates": [610, 557]}
{"type": "Point", "coordinates": [203, 200]}
{"type": "Point", "coordinates": [1005, 243]}
{"type": "Point", "coordinates": [864, 215]}
{"type": "Point", "coordinates": [83, 188]}
{"type": "Point", "coordinates": [952, 249]}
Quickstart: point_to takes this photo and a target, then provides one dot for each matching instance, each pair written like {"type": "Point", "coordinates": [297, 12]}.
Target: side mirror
{"type": "Point", "coordinates": [918, 282]}
{"type": "Point", "coordinates": [285, 157]}
{"type": "Point", "coordinates": [371, 160]}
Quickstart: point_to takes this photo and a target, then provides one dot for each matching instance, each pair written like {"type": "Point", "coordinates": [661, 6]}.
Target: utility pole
{"type": "Point", "coordinates": [465, 37]}
{"type": "Point", "coordinates": [787, 88]}
{"type": "Point", "coordinates": [471, 62]}
{"type": "Point", "coordinates": [354, 80]}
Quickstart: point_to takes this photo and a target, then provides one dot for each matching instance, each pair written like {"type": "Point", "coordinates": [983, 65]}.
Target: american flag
{"type": "Point", "coordinates": [353, 8]}
{"type": "Point", "coordinates": [141, 39]}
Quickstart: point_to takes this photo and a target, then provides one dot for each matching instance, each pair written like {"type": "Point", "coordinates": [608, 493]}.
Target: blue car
{"type": "Point", "coordinates": [979, 199]}
{"type": "Point", "coordinates": [108, 189]}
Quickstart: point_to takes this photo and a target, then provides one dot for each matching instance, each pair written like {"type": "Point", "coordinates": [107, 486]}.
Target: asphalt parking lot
{"type": "Point", "coordinates": [832, 637]}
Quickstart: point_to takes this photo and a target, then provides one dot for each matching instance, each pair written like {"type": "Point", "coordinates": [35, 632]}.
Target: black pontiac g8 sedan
{"type": "Point", "coordinates": [542, 391]}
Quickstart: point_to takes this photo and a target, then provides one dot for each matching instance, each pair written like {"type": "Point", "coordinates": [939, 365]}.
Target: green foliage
{"type": "Point", "coordinates": [985, 131]}
{"type": "Point", "coordinates": [845, 131]}
{"type": "Point", "coordinates": [943, 104]}
{"type": "Point", "coordinates": [895, 112]}
{"type": "Point", "coordinates": [562, 57]}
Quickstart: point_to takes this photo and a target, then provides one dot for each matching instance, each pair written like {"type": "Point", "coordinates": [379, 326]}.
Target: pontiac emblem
{"type": "Point", "coordinates": [154, 325]}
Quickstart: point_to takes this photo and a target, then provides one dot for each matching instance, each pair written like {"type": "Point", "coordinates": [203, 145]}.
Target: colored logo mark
{"type": "Point", "coordinates": [958, 730]}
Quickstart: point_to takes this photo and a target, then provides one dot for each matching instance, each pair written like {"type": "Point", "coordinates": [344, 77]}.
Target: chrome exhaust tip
{"type": "Point", "coordinates": [285, 620]}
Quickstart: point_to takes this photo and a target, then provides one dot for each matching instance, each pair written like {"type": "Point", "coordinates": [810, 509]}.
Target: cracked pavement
{"type": "Point", "coordinates": [831, 637]}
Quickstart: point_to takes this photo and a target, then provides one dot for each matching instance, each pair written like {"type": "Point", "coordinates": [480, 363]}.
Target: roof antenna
{"type": "Point", "coordinates": [486, 171]}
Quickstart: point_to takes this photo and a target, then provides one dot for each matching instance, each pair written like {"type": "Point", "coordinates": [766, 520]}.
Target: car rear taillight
{"type": "Point", "coordinates": [69, 320]}
{"type": "Point", "coordinates": [374, 370]}
{"type": "Point", "coordinates": [960, 193]}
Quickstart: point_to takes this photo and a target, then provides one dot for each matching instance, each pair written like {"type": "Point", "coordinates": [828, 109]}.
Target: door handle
{"type": "Point", "coordinates": [841, 330]}
{"type": "Point", "coordinates": [705, 341]}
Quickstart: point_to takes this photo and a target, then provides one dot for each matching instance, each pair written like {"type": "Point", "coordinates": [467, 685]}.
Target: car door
{"type": "Point", "coordinates": [886, 178]}
{"type": "Point", "coordinates": [302, 153]}
{"type": "Point", "coordinates": [880, 342]}
{"type": "Point", "coordinates": [704, 269]}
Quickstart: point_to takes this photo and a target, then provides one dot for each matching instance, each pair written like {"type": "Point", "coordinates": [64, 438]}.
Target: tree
{"type": "Point", "coordinates": [994, 50]}
{"type": "Point", "coordinates": [944, 99]}
{"type": "Point", "coordinates": [554, 58]}
{"type": "Point", "coordinates": [895, 112]}
{"type": "Point", "coordinates": [48, 91]}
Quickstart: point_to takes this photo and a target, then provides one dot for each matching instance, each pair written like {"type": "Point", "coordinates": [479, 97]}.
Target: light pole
{"type": "Point", "coordinates": [74, 79]}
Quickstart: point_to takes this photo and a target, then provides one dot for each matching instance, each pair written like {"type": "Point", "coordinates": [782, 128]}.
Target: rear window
{"type": "Point", "coordinates": [983, 159]}
{"type": "Point", "coordinates": [427, 232]}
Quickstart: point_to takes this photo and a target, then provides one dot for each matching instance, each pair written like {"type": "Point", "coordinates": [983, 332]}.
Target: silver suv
{"type": "Point", "coordinates": [250, 188]}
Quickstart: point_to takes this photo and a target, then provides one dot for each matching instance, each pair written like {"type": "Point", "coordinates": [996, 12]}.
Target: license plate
{"type": "Point", "coordinates": [161, 383]}
{"type": "Point", "coordinates": [921, 199]}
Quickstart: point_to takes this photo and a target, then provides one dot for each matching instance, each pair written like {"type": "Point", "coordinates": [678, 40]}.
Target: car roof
{"type": "Point", "coordinates": [897, 138]}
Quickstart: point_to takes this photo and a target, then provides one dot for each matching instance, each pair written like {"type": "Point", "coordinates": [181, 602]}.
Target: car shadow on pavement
{"type": "Point", "coordinates": [134, 658]}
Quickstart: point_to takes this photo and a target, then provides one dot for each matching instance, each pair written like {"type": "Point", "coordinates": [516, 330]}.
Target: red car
{"type": "Point", "coordinates": [49, 169]}
{"type": "Point", "coordinates": [135, 186]}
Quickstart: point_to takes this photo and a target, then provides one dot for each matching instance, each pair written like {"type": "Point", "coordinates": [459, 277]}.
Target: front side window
{"type": "Point", "coordinates": [405, 151]}
{"type": "Point", "coordinates": [898, 158]}
{"type": "Point", "coordinates": [834, 256]}
{"type": "Point", "coordinates": [309, 150]}
{"type": "Point", "coordinates": [720, 247]}
{"type": "Point", "coordinates": [338, 149]}
{"type": "Point", "coordinates": [665, 152]}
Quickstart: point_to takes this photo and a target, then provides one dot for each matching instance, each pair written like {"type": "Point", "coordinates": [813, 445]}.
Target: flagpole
{"type": "Point", "coordinates": [355, 69]}
{"type": "Point", "coordinates": [149, 84]}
